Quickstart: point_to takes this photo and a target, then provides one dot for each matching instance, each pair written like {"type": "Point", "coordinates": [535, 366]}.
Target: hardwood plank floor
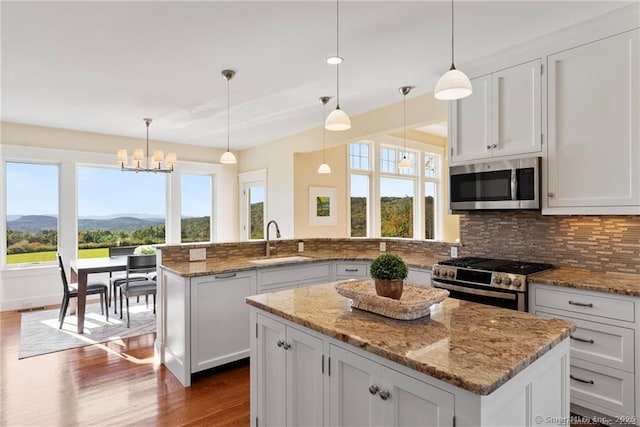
{"type": "Point", "coordinates": [111, 384]}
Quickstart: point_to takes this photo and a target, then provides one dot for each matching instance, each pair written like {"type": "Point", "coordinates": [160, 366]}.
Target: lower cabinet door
{"type": "Point", "coordinates": [305, 379]}
{"type": "Point", "coordinates": [411, 402]}
{"type": "Point", "coordinates": [353, 389]}
{"type": "Point", "coordinates": [272, 373]}
{"type": "Point", "coordinates": [365, 393]}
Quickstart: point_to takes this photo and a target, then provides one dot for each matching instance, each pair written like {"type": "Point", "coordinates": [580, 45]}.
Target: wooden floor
{"type": "Point", "coordinates": [112, 384]}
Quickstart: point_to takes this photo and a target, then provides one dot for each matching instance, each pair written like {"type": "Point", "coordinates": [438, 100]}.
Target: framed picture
{"type": "Point", "coordinates": [322, 206]}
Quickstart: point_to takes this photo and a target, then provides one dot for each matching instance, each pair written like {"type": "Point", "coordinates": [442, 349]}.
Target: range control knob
{"type": "Point", "coordinates": [452, 274]}
{"type": "Point", "coordinates": [436, 272]}
{"type": "Point", "coordinates": [506, 281]}
{"type": "Point", "coordinates": [517, 283]}
{"type": "Point", "coordinates": [497, 280]}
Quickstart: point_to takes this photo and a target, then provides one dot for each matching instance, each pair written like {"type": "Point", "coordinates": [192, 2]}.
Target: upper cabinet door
{"type": "Point", "coordinates": [594, 125]}
{"type": "Point", "coordinates": [471, 123]}
{"type": "Point", "coordinates": [517, 109]}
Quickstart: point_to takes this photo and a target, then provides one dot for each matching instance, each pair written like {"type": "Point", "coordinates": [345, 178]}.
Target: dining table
{"type": "Point", "coordinates": [80, 270]}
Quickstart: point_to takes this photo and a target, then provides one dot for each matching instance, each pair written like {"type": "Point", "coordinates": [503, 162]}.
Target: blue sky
{"type": "Point", "coordinates": [33, 189]}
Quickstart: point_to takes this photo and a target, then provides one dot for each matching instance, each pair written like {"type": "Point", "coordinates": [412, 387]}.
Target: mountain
{"type": "Point", "coordinates": [38, 223]}
{"type": "Point", "coordinates": [33, 223]}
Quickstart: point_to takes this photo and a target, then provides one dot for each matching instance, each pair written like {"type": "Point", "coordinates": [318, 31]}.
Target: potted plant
{"type": "Point", "coordinates": [389, 272]}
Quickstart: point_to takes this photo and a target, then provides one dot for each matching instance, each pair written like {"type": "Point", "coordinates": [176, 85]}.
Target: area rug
{"type": "Point", "coordinates": [39, 333]}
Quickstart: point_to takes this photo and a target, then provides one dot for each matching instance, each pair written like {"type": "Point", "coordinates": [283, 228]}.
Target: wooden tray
{"type": "Point", "coordinates": [416, 301]}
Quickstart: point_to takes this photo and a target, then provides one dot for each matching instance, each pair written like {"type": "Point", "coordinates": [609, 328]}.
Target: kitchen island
{"type": "Point", "coordinates": [317, 361]}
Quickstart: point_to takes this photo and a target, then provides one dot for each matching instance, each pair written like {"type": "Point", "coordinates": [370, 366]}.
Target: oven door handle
{"type": "Point", "coordinates": [482, 292]}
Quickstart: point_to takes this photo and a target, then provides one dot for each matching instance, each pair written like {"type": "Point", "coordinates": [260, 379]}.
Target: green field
{"type": "Point", "coordinates": [49, 256]}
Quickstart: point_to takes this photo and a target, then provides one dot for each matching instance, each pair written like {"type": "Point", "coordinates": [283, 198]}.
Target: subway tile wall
{"type": "Point", "coordinates": [598, 243]}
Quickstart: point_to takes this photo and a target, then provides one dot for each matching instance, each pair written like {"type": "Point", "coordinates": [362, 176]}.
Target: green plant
{"type": "Point", "coordinates": [388, 267]}
{"type": "Point", "coordinates": [144, 250]}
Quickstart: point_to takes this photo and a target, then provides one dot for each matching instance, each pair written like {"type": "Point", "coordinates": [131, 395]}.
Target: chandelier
{"type": "Point", "coordinates": [141, 159]}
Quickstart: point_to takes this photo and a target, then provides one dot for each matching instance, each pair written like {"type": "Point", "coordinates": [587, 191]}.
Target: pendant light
{"type": "Point", "coordinates": [228, 158]}
{"type": "Point", "coordinates": [337, 119]}
{"type": "Point", "coordinates": [140, 154]}
{"type": "Point", "coordinates": [404, 163]}
{"type": "Point", "coordinates": [324, 167]}
{"type": "Point", "coordinates": [454, 84]}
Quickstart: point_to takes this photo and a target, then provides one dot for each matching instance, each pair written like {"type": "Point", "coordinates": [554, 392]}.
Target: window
{"type": "Point", "coordinates": [406, 201]}
{"type": "Point", "coordinates": [195, 219]}
{"type": "Point", "coordinates": [118, 208]}
{"type": "Point", "coordinates": [32, 212]}
{"type": "Point", "coordinates": [256, 212]}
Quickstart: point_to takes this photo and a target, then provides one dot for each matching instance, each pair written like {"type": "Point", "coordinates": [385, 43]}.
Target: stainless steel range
{"type": "Point", "coordinates": [497, 282]}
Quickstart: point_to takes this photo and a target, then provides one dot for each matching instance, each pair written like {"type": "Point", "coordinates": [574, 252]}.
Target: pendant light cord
{"type": "Point", "coordinates": [404, 125]}
{"type": "Point", "coordinates": [324, 112]}
{"type": "Point", "coordinates": [338, 54]}
{"type": "Point", "coordinates": [452, 31]}
{"type": "Point", "coordinates": [228, 108]}
{"type": "Point", "coordinates": [146, 159]}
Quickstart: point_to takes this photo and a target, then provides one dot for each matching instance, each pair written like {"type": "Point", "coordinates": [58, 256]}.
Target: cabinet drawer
{"type": "Point", "coordinates": [586, 303]}
{"type": "Point", "coordinates": [602, 389]}
{"type": "Point", "coordinates": [606, 345]}
{"type": "Point", "coordinates": [345, 269]}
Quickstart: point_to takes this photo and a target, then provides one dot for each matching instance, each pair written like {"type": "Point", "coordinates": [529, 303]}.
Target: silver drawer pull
{"type": "Point", "coordinates": [225, 276]}
{"type": "Point", "coordinates": [280, 343]}
{"type": "Point", "coordinates": [351, 270]}
{"type": "Point", "coordinates": [581, 339]}
{"type": "Point", "coordinates": [373, 389]}
{"type": "Point", "coordinates": [580, 380]}
{"type": "Point", "coordinates": [581, 304]}
{"type": "Point", "coordinates": [384, 395]}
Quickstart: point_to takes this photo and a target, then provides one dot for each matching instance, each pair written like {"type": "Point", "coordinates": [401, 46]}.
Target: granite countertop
{"type": "Point", "coordinates": [472, 346]}
{"type": "Point", "coordinates": [231, 264]}
{"type": "Point", "coordinates": [613, 283]}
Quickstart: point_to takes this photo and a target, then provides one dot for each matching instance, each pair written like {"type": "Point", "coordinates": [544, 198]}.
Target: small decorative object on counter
{"type": "Point", "coordinates": [144, 250]}
{"type": "Point", "coordinates": [389, 271]}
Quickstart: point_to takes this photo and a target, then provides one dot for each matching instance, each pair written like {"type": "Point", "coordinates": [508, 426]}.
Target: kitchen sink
{"type": "Point", "coordinates": [269, 261]}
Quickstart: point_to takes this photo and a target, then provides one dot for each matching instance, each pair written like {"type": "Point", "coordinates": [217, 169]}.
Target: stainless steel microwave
{"type": "Point", "coordinates": [507, 184]}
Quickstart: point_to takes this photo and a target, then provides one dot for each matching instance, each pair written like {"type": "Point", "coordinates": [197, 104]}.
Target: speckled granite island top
{"type": "Point", "coordinates": [613, 283]}
{"type": "Point", "coordinates": [472, 346]}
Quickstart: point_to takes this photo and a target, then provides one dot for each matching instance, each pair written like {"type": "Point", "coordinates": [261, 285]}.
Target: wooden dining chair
{"type": "Point", "coordinates": [70, 290]}
{"type": "Point", "coordinates": [133, 286]}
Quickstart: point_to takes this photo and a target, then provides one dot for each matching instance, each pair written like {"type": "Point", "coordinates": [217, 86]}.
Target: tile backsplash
{"type": "Point", "coordinates": [598, 243]}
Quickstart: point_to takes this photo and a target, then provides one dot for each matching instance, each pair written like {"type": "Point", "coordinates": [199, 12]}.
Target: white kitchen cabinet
{"type": "Point", "coordinates": [593, 163]}
{"type": "Point", "coordinates": [364, 392]}
{"type": "Point", "coordinates": [603, 347]}
{"type": "Point", "coordinates": [290, 368]}
{"type": "Point", "coordinates": [502, 117]}
{"type": "Point", "coordinates": [344, 270]}
{"type": "Point", "coordinates": [220, 318]}
{"type": "Point", "coordinates": [293, 276]}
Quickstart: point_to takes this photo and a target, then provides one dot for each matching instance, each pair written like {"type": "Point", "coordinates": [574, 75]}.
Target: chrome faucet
{"type": "Point", "coordinates": [268, 250]}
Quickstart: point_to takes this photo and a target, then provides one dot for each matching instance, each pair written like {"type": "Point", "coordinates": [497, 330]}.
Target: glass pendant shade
{"type": "Point", "coordinates": [454, 84]}
{"type": "Point", "coordinates": [324, 168]}
{"type": "Point", "coordinates": [404, 163]}
{"type": "Point", "coordinates": [228, 158]}
{"type": "Point", "coordinates": [337, 120]}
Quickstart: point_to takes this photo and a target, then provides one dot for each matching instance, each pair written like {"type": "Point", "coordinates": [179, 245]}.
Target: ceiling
{"type": "Point", "coordinates": [101, 66]}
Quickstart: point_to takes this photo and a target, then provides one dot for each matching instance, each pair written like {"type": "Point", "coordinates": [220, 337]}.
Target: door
{"type": "Point", "coordinates": [471, 123]}
{"type": "Point", "coordinates": [305, 379]}
{"type": "Point", "coordinates": [411, 402]}
{"type": "Point", "coordinates": [271, 372]}
{"type": "Point", "coordinates": [350, 378]}
{"type": "Point", "coordinates": [594, 131]}
{"type": "Point", "coordinates": [516, 127]}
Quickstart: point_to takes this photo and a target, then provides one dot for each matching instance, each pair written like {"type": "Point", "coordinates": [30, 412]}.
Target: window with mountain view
{"type": "Point", "coordinates": [360, 165]}
{"type": "Point", "coordinates": [195, 224]}
{"type": "Point", "coordinates": [118, 208]}
{"type": "Point", "coordinates": [32, 212]}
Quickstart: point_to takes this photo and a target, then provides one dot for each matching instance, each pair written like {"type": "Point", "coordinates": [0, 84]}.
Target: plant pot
{"type": "Point", "coordinates": [389, 288]}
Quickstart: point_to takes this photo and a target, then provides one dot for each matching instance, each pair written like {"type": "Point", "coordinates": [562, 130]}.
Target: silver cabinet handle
{"type": "Point", "coordinates": [280, 343]}
{"type": "Point", "coordinates": [581, 304]}
{"type": "Point", "coordinates": [488, 147]}
{"type": "Point", "coordinates": [580, 380]}
{"type": "Point", "coordinates": [286, 346]}
{"type": "Point", "coordinates": [351, 270]}
{"type": "Point", "coordinates": [373, 389]}
{"type": "Point", "coordinates": [494, 146]}
{"type": "Point", "coordinates": [550, 194]}
{"type": "Point", "coordinates": [225, 276]}
{"type": "Point", "coordinates": [581, 339]}
{"type": "Point", "coordinates": [384, 395]}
